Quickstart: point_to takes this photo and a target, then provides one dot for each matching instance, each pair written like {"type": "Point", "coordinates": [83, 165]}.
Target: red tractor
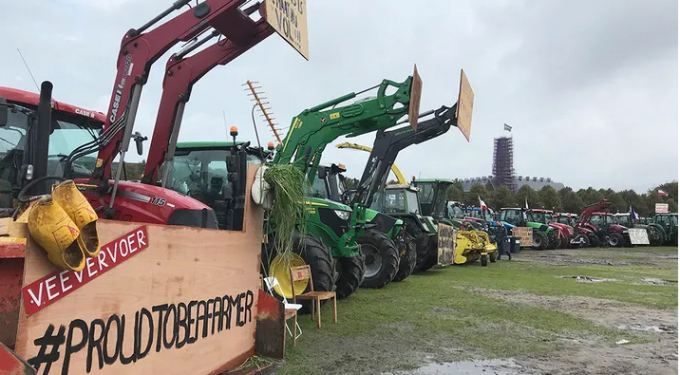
{"type": "Point", "coordinates": [91, 141]}
{"type": "Point", "coordinates": [586, 235]}
{"type": "Point", "coordinates": [603, 225]}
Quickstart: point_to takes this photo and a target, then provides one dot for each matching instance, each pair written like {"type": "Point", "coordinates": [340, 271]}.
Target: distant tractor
{"type": "Point", "coordinates": [669, 225]}
{"type": "Point", "coordinates": [564, 231]}
{"type": "Point", "coordinates": [655, 232]}
{"type": "Point", "coordinates": [544, 236]}
{"type": "Point", "coordinates": [591, 239]}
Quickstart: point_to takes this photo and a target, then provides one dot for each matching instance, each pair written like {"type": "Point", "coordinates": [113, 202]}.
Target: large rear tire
{"type": "Point", "coordinates": [381, 258]}
{"type": "Point", "coordinates": [315, 254]}
{"type": "Point", "coordinates": [351, 275]}
{"type": "Point", "coordinates": [540, 240]}
{"type": "Point", "coordinates": [407, 262]}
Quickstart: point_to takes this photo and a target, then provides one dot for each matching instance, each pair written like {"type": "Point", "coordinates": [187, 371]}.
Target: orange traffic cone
{"type": "Point", "coordinates": [77, 207]}
{"type": "Point", "coordinates": [54, 231]}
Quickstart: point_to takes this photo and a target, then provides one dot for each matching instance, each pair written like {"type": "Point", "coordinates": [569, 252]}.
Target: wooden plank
{"type": "Point", "coordinates": [446, 244]}
{"type": "Point", "coordinates": [526, 236]}
{"type": "Point", "coordinates": [414, 102]}
{"type": "Point", "coordinates": [464, 108]}
{"type": "Point", "coordinates": [289, 19]}
{"type": "Point", "coordinates": [186, 304]}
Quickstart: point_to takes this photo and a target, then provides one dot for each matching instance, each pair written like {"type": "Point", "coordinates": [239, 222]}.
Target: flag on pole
{"type": "Point", "coordinates": [482, 205]}
{"type": "Point", "coordinates": [662, 193]}
{"type": "Point", "coordinates": [526, 203]}
{"type": "Point", "coordinates": [633, 215]}
{"type": "Point", "coordinates": [507, 127]}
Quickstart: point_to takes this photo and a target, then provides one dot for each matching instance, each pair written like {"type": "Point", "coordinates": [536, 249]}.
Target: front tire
{"type": "Point", "coordinates": [484, 260]}
{"type": "Point", "coordinates": [594, 240]}
{"type": "Point", "coordinates": [553, 239]}
{"type": "Point", "coordinates": [381, 259]}
{"type": "Point", "coordinates": [655, 237]}
{"type": "Point", "coordinates": [616, 240]}
{"type": "Point", "coordinates": [407, 263]}
{"type": "Point", "coordinates": [540, 240]}
{"type": "Point", "coordinates": [422, 250]}
{"type": "Point", "coordinates": [351, 272]}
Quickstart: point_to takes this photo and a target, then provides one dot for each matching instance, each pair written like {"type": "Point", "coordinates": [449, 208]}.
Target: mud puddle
{"type": "Point", "coordinates": [480, 367]}
{"type": "Point", "coordinates": [655, 281]}
{"type": "Point", "coordinates": [587, 279]}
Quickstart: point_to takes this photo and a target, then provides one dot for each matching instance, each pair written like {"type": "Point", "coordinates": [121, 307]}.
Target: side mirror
{"type": "Point", "coordinates": [138, 142]}
{"type": "Point", "coordinates": [4, 112]}
{"type": "Point", "coordinates": [322, 173]}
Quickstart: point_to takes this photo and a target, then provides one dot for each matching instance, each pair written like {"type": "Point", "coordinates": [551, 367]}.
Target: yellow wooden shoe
{"type": "Point", "coordinates": [77, 207]}
{"type": "Point", "coordinates": [55, 232]}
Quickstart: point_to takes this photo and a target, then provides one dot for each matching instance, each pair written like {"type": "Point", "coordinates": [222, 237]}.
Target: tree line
{"type": "Point", "coordinates": [566, 199]}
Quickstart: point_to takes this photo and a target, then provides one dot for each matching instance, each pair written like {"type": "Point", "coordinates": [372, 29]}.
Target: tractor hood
{"type": "Point", "coordinates": [326, 203]}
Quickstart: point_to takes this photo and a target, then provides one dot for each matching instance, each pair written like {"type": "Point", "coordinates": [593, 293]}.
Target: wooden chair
{"type": "Point", "coordinates": [304, 273]}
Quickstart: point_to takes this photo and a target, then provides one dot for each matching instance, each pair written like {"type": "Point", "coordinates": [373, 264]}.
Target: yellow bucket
{"type": "Point", "coordinates": [280, 269]}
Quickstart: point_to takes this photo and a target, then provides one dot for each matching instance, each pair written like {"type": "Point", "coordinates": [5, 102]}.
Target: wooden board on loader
{"type": "Point", "coordinates": [183, 301]}
{"type": "Point", "coordinates": [446, 244]}
{"type": "Point", "coordinates": [466, 99]}
{"type": "Point", "coordinates": [525, 234]}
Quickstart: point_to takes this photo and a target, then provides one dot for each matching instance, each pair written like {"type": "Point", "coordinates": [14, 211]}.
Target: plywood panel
{"type": "Point", "coordinates": [186, 304]}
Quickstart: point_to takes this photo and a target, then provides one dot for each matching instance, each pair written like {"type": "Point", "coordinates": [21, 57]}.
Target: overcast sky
{"type": "Point", "coordinates": [590, 87]}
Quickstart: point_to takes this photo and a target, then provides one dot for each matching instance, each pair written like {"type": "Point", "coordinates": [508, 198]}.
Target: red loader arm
{"type": "Point", "coordinates": [138, 52]}
{"type": "Point", "coordinates": [182, 73]}
{"type": "Point", "coordinates": [588, 211]}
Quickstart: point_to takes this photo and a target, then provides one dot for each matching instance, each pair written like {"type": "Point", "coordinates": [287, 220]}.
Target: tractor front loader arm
{"type": "Point", "coordinates": [590, 209]}
{"type": "Point", "coordinates": [388, 144]}
{"type": "Point", "coordinates": [316, 127]}
{"type": "Point", "coordinates": [183, 72]}
{"type": "Point", "coordinates": [138, 52]}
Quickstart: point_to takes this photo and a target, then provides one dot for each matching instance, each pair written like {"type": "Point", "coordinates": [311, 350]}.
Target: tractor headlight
{"type": "Point", "coordinates": [344, 215]}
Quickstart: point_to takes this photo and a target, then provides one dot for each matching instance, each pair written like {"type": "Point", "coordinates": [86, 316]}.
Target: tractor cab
{"type": "Point", "coordinates": [432, 195]}
{"type": "Point", "coordinates": [669, 224]}
{"type": "Point", "coordinates": [70, 128]}
{"type": "Point", "coordinates": [209, 172]}
{"type": "Point", "coordinates": [566, 218]}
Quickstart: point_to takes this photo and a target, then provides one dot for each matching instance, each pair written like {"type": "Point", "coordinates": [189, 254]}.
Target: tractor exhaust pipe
{"type": "Point", "coordinates": [42, 138]}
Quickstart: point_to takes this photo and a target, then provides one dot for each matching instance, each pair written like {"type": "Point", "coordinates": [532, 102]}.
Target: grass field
{"type": "Point", "coordinates": [530, 309]}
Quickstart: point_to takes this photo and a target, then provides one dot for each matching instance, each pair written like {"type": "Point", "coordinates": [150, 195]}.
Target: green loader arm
{"type": "Point", "coordinates": [318, 126]}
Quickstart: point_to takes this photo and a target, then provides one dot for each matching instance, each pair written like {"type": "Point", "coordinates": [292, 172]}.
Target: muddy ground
{"type": "Point", "coordinates": [628, 326]}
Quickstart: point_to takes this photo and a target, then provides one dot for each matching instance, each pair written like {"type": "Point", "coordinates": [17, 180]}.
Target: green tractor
{"type": "Point", "coordinates": [401, 201]}
{"type": "Point", "coordinates": [333, 230]}
{"type": "Point", "coordinates": [544, 236]}
{"type": "Point", "coordinates": [330, 184]}
{"type": "Point", "coordinates": [668, 223]}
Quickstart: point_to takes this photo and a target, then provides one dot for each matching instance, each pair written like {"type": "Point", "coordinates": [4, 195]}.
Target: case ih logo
{"type": "Point", "coordinates": [85, 113]}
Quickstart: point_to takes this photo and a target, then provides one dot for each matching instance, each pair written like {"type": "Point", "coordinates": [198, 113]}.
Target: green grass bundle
{"type": "Point", "coordinates": [289, 185]}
